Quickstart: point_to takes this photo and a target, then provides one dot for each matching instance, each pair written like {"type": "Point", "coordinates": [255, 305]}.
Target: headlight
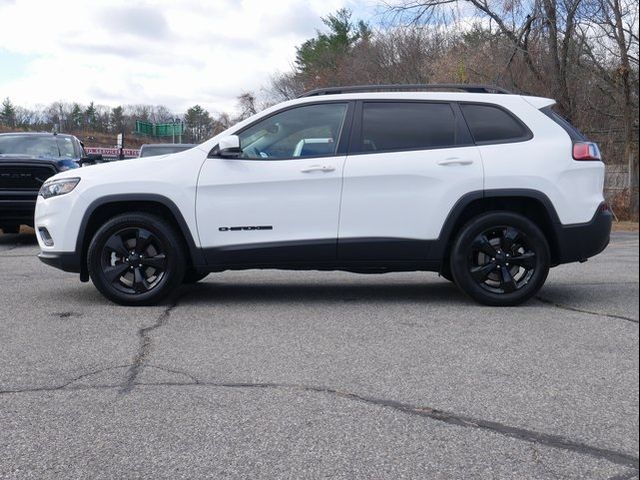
{"type": "Point", "coordinates": [58, 187]}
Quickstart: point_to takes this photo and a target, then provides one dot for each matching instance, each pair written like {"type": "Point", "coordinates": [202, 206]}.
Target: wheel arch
{"type": "Point", "coordinates": [533, 204]}
{"type": "Point", "coordinates": [107, 207]}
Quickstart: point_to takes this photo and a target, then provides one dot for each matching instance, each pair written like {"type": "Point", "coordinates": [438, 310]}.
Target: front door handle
{"type": "Point", "coordinates": [455, 161]}
{"type": "Point", "coordinates": [318, 168]}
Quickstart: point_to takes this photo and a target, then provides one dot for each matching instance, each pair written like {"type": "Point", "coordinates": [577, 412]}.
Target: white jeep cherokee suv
{"type": "Point", "coordinates": [487, 188]}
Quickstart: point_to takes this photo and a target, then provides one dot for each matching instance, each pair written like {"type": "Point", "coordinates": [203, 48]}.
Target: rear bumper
{"type": "Point", "coordinates": [576, 243]}
{"type": "Point", "coordinates": [66, 261]}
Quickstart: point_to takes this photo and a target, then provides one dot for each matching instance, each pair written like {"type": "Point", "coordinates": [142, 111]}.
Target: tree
{"type": "Point", "coordinates": [198, 123]}
{"type": "Point", "coordinates": [8, 113]}
{"type": "Point", "coordinates": [117, 120]}
{"type": "Point", "coordinates": [246, 105]}
{"type": "Point", "coordinates": [617, 21]}
{"type": "Point", "coordinates": [90, 115]}
{"type": "Point", "coordinates": [322, 54]}
{"type": "Point", "coordinates": [77, 117]}
{"type": "Point", "coordinates": [529, 26]}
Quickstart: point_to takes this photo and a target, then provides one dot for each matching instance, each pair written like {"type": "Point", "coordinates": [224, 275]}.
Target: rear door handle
{"type": "Point", "coordinates": [318, 168]}
{"type": "Point", "coordinates": [455, 161]}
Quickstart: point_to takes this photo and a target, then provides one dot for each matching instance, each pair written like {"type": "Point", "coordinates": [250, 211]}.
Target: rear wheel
{"type": "Point", "coordinates": [136, 259]}
{"type": "Point", "coordinates": [500, 258]}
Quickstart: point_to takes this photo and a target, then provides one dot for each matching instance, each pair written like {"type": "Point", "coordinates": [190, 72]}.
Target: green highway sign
{"type": "Point", "coordinates": [168, 129]}
{"type": "Point", "coordinates": [159, 129]}
{"type": "Point", "coordinates": [145, 128]}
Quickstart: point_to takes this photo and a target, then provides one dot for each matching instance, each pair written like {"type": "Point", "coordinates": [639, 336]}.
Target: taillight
{"type": "Point", "coordinates": [586, 151]}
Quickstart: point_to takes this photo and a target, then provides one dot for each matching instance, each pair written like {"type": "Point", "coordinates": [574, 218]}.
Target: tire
{"type": "Point", "coordinates": [193, 276]}
{"type": "Point", "coordinates": [500, 259]}
{"type": "Point", "coordinates": [13, 228]}
{"type": "Point", "coordinates": [136, 259]}
{"type": "Point", "coordinates": [445, 272]}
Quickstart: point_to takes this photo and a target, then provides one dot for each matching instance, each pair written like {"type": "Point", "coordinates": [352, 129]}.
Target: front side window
{"type": "Point", "coordinates": [388, 126]}
{"type": "Point", "coordinates": [308, 131]}
{"type": "Point", "coordinates": [489, 124]}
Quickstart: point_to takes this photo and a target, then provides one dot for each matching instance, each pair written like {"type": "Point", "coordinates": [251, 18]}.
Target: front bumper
{"type": "Point", "coordinates": [66, 261]}
{"type": "Point", "coordinates": [576, 243]}
{"type": "Point", "coordinates": [17, 207]}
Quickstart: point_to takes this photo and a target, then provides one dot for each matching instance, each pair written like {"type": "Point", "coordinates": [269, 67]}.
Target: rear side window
{"type": "Point", "coordinates": [388, 126]}
{"type": "Point", "coordinates": [490, 124]}
{"type": "Point", "coordinates": [575, 134]}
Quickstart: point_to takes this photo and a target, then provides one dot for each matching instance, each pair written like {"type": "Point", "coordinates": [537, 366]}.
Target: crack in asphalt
{"type": "Point", "coordinates": [588, 312]}
{"type": "Point", "coordinates": [62, 386]}
{"type": "Point", "coordinates": [146, 344]}
{"type": "Point", "coordinates": [518, 433]}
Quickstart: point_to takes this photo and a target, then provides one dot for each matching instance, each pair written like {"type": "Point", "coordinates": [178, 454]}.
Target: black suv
{"type": "Point", "coordinates": [26, 160]}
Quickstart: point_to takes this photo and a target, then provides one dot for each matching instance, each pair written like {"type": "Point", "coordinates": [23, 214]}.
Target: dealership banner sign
{"type": "Point", "coordinates": [112, 152]}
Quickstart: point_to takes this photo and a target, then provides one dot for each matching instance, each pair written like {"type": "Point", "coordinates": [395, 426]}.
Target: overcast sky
{"type": "Point", "coordinates": [164, 52]}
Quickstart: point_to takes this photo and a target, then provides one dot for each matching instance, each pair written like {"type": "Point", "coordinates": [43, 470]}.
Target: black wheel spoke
{"type": "Point", "coordinates": [116, 244]}
{"type": "Point", "coordinates": [483, 244]}
{"type": "Point", "coordinates": [526, 260]}
{"type": "Point", "coordinates": [144, 238]}
{"type": "Point", "coordinates": [158, 262]}
{"type": "Point", "coordinates": [509, 238]}
{"type": "Point", "coordinates": [507, 282]}
{"type": "Point", "coordinates": [140, 283]}
{"type": "Point", "coordinates": [115, 272]}
{"type": "Point", "coordinates": [481, 273]}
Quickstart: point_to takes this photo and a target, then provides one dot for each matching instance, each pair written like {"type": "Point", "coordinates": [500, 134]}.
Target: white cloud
{"type": "Point", "coordinates": [176, 53]}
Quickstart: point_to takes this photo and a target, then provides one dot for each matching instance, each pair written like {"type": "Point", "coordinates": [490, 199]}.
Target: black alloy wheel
{"type": "Point", "coordinates": [133, 260]}
{"type": "Point", "coordinates": [501, 261]}
{"type": "Point", "coordinates": [500, 258]}
{"type": "Point", "coordinates": [136, 259]}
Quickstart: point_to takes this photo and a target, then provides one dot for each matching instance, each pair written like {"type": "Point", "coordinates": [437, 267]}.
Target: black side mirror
{"type": "Point", "coordinates": [91, 159]}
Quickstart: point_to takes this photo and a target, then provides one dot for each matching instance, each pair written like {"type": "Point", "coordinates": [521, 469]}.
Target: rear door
{"type": "Point", "coordinates": [409, 163]}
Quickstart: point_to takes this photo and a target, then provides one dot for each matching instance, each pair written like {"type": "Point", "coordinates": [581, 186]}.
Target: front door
{"type": "Point", "coordinates": [279, 202]}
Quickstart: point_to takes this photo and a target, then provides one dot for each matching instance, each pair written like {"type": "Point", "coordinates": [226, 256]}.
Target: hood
{"type": "Point", "coordinates": [60, 163]}
{"type": "Point", "coordinates": [20, 156]}
{"type": "Point", "coordinates": [131, 168]}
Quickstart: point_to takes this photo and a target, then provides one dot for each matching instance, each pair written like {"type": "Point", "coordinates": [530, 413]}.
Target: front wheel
{"type": "Point", "coordinates": [500, 258]}
{"type": "Point", "coordinates": [136, 259]}
{"type": "Point", "coordinates": [193, 276]}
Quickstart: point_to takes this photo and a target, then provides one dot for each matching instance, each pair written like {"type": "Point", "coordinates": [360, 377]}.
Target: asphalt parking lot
{"type": "Point", "coordinates": [270, 374]}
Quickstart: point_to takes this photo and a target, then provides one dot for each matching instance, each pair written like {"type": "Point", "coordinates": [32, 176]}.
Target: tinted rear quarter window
{"type": "Point", "coordinates": [388, 126]}
{"type": "Point", "coordinates": [490, 124]}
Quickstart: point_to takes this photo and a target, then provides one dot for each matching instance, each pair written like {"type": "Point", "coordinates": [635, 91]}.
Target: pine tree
{"type": "Point", "coordinates": [90, 115]}
{"type": "Point", "coordinates": [8, 113]}
{"type": "Point", "coordinates": [77, 117]}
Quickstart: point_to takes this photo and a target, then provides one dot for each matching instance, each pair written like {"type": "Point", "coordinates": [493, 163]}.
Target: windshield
{"type": "Point", "coordinates": [162, 150]}
{"type": "Point", "coordinates": [37, 146]}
